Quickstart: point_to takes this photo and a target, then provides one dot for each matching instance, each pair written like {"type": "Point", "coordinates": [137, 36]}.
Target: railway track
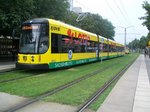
{"type": "Point", "coordinates": [57, 89]}
{"type": "Point", "coordinates": [7, 70]}
{"type": "Point", "coordinates": [97, 94]}
{"type": "Point", "coordinates": [23, 77]}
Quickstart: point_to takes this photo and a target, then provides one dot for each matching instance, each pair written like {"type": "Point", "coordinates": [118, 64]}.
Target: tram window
{"type": "Point", "coordinates": [59, 43]}
{"type": "Point", "coordinates": [77, 45]}
{"type": "Point", "coordinates": [120, 49]}
{"type": "Point", "coordinates": [104, 48]}
{"type": "Point", "coordinates": [43, 44]}
{"type": "Point", "coordinates": [114, 48]}
{"type": "Point", "coordinates": [54, 43]}
{"type": "Point", "coordinates": [111, 48]}
{"type": "Point", "coordinates": [91, 46]}
{"type": "Point", "coordinates": [77, 48]}
{"type": "Point", "coordinates": [63, 43]}
{"type": "Point", "coordinates": [73, 44]}
{"type": "Point", "coordinates": [117, 48]}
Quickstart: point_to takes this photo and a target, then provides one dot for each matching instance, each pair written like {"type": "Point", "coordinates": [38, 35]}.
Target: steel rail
{"type": "Point", "coordinates": [103, 88]}
{"type": "Point", "coordinates": [22, 77]}
{"type": "Point", "coordinates": [57, 89]}
{"type": "Point", "coordinates": [8, 70]}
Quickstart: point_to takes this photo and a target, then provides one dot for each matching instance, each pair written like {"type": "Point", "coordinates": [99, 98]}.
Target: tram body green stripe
{"type": "Point", "coordinates": [71, 63]}
{"type": "Point", "coordinates": [76, 62]}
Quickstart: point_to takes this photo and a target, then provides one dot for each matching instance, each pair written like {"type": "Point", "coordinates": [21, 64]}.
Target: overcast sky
{"type": "Point", "coordinates": [121, 13]}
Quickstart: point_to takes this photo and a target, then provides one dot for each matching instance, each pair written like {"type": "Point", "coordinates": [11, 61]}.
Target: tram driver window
{"type": "Point", "coordinates": [43, 44]}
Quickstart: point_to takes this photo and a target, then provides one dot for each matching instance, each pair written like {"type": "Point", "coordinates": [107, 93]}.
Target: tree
{"type": "Point", "coordinates": [146, 6]}
{"type": "Point", "coordinates": [134, 44]}
{"type": "Point", "coordinates": [143, 42]}
{"type": "Point", "coordinates": [13, 13]}
{"type": "Point", "coordinates": [96, 24]}
{"type": "Point", "coordinates": [93, 23]}
{"type": "Point", "coordinates": [51, 8]}
{"type": "Point", "coordinates": [70, 18]}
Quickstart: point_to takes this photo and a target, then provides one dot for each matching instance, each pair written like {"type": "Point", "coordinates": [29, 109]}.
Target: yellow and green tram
{"type": "Point", "coordinates": [48, 44]}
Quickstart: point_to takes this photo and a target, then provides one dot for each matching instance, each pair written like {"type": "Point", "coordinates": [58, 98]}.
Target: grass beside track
{"type": "Point", "coordinates": [18, 74]}
{"type": "Point", "coordinates": [33, 86]}
{"type": "Point", "coordinates": [75, 95]}
{"type": "Point", "coordinates": [79, 93]}
{"type": "Point", "coordinates": [101, 99]}
{"type": "Point", "coordinates": [95, 105]}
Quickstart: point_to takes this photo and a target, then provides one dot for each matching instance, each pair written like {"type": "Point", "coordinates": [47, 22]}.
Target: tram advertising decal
{"type": "Point", "coordinates": [70, 54]}
{"type": "Point", "coordinates": [82, 38]}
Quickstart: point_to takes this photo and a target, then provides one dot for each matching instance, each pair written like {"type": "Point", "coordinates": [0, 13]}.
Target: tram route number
{"type": "Point", "coordinates": [54, 28]}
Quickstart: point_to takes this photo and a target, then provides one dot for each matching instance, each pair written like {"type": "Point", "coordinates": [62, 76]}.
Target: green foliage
{"type": "Point", "coordinates": [96, 24]}
{"type": "Point", "coordinates": [143, 42]}
{"type": "Point", "coordinates": [51, 8]}
{"type": "Point", "coordinates": [139, 44]}
{"type": "Point", "coordinates": [79, 93]}
{"type": "Point", "coordinates": [128, 59]}
{"type": "Point", "coordinates": [70, 18]}
{"type": "Point", "coordinates": [13, 13]}
{"type": "Point", "coordinates": [146, 6]}
{"type": "Point", "coordinates": [33, 86]}
{"type": "Point", "coordinates": [134, 44]}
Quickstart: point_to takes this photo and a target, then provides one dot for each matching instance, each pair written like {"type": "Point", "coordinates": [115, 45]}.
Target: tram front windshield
{"type": "Point", "coordinates": [34, 39]}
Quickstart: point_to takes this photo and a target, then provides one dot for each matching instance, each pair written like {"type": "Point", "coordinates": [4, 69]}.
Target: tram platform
{"type": "Point", "coordinates": [132, 91]}
{"type": "Point", "coordinates": [7, 65]}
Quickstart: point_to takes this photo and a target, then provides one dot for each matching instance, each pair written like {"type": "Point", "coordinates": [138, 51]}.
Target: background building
{"type": "Point", "coordinates": [77, 10]}
{"type": "Point", "coordinates": [71, 4]}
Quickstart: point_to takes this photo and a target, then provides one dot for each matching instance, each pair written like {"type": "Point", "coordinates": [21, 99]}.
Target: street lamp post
{"type": "Point", "coordinates": [125, 34]}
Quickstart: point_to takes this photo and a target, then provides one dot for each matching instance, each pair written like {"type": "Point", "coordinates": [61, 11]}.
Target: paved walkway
{"type": "Point", "coordinates": [8, 101]}
{"type": "Point", "coordinates": [132, 91]}
{"type": "Point", "coordinates": [142, 95]}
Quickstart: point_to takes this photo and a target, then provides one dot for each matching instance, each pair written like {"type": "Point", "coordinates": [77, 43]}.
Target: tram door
{"type": "Point", "coordinates": [55, 47]}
